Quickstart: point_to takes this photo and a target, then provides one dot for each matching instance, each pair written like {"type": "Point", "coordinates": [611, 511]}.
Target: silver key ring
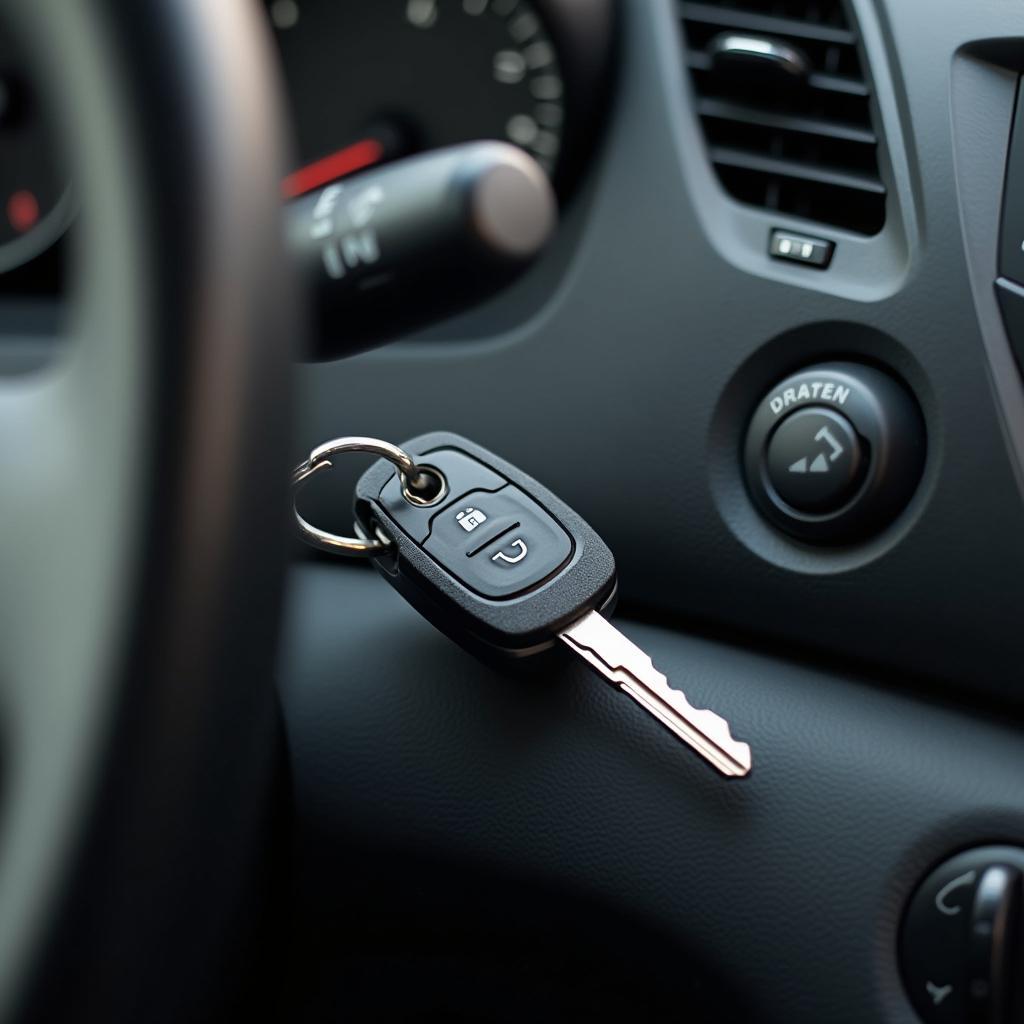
{"type": "Point", "coordinates": [412, 477]}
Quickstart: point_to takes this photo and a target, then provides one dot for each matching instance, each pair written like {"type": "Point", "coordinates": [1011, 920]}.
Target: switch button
{"type": "Point", "coordinates": [961, 940]}
{"type": "Point", "coordinates": [499, 544]}
{"type": "Point", "coordinates": [815, 460]}
{"type": "Point", "coordinates": [834, 452]}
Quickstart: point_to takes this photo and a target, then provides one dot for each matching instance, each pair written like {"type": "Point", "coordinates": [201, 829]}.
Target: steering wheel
{"type": "Point", "coordinates": [143, 522]}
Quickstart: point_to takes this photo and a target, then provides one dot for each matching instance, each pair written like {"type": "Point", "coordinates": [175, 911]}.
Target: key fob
{"type": "Point", "coordinates": [494, 559]}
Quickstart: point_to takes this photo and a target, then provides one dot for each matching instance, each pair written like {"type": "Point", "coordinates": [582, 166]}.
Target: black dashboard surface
{"type": "Point", "coordinates": [423, 779]}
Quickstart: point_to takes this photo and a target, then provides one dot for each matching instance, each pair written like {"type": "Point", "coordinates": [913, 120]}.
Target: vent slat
{"type": "Point", "coordinates": [838, 83]}
{"type": "Point", "coordinates": [726, 111]}
{"type": "Point", "coordinates": [699, 60]}
{"type": "Point", "coordinates": [801, 146]}
{"type": "Point", "coordinates": [769, 24]}
{"type": "Point", "coordinates": [780, 167]}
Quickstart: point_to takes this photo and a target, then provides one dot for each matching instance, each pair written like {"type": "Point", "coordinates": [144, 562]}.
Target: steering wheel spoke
{"type": "Point", "coordinates": [65, 461]}
{"type": "Point", "coordinates": [141, 549]}
{"type": "Point", "coordinates": [58, 505]}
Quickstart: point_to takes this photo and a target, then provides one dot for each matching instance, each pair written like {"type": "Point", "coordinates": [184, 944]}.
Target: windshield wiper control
{"type": "Point", "coordinates": [401, 246]}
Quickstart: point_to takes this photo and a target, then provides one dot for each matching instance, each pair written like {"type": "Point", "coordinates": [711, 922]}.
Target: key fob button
{"type": "Point", "coordinates": [462, 474]}
{"type": "Point", "coordinates": [499, 544]}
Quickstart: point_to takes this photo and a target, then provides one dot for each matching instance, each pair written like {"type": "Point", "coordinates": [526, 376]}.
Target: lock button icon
{"type": "Point", "coordinates": [469, 519]}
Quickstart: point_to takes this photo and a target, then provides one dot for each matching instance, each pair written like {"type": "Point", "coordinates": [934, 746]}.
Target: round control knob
{"type": "Point", "coordinates": [814, 460]}
{"type": "Point", "coordinates": [961, 941]}
{"type": "Point", "coordinates": [834, 452]}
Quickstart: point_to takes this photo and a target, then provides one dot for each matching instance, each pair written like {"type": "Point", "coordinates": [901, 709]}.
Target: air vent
{"type": "Point", "coordinates": [786, 108]}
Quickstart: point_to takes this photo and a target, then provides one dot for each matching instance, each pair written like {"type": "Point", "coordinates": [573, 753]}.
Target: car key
{"type": "Point", "coordinates": [626, 666]}
{"type": "Point", "coordinates": [499, 563]}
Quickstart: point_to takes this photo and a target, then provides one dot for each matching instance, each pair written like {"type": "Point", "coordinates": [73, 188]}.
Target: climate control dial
{"type": "Point", "coordinates": [833, 453]}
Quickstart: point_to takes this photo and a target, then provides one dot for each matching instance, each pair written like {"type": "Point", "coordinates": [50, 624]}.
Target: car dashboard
{"type": "Point", "coordinates": [774, 355]}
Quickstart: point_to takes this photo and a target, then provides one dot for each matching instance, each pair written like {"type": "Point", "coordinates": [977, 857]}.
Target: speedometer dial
{"type": "Point", "coordinates": [34, 198]}
{"type": "Point", "coordinates": [401, 76]}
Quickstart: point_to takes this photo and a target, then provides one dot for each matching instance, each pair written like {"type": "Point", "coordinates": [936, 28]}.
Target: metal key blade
{"type": "Point", "coordinates": [622, 663]}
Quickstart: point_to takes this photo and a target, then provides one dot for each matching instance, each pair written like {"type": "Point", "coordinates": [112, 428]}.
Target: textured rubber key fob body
{"type": "Point", "coordinates": [498, 560]}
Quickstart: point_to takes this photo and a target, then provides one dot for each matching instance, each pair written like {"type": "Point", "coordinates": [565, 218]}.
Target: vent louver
{"type": "Point", "coordinates": [785, 108]}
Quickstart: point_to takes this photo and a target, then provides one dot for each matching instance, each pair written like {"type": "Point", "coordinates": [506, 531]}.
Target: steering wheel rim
{"type": "Point", "coordinates": [144, 519]}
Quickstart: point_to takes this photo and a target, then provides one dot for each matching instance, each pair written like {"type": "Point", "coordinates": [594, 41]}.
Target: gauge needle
{"type": "Point", "coordinates": [364, 153]}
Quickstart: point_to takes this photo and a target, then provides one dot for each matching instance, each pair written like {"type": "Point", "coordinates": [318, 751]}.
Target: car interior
{"type": "Point", "coordinates": [512, 510]}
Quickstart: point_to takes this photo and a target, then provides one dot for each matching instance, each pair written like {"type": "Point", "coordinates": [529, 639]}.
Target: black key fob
{"type": "Point", "coordinates": [487, 554]}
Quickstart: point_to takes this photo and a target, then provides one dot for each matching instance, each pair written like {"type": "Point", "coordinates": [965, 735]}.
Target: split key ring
{"type": "Point", "coordinates": [421, 485]}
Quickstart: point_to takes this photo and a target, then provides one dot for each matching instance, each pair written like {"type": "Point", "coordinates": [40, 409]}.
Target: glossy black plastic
{"type": "Point", "coordinates": [892, 442]}
{"type": "Point", "coordinates": [520, 624]}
